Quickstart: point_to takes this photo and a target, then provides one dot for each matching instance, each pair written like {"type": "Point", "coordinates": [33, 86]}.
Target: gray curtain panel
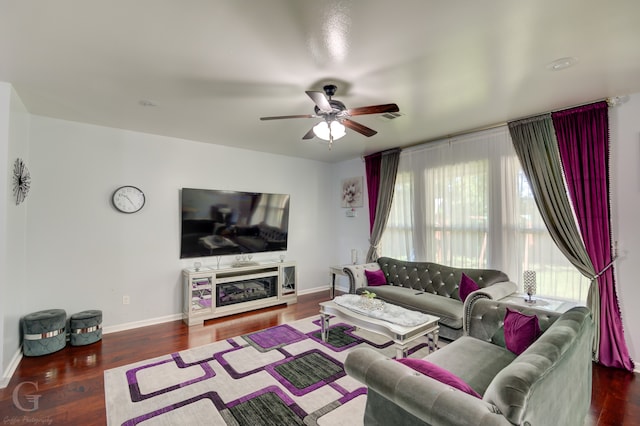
{"type": "Point", "coordinates": [388, 171]}
{"type": "Point", "coordinates": [535, 143]}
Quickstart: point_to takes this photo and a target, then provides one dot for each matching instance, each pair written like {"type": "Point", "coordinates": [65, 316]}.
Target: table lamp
{"type": "Point", "coordinates": [530, 285]}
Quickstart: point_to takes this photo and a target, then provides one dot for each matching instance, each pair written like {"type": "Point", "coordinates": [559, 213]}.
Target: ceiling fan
{"type": "Point", "coordinates": [336, 115]}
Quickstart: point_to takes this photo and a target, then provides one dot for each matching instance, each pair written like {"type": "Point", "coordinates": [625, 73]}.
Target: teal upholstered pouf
{"type": "Point", "coordinates": [44, 332]}
{"type": "Point", "coordinates": [86, 327]}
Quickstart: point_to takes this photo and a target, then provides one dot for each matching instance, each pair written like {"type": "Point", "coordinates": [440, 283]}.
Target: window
{"type": "Point", "coordinates": [271, 210]}
{"type": "Point", "coordinates": [466, 202]}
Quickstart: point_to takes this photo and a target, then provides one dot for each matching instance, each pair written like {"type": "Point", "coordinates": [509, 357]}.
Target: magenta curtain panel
{"type": "Point", "coordinates": [583, 142]}
{"type": "Point", "coordinates": [372, 166]}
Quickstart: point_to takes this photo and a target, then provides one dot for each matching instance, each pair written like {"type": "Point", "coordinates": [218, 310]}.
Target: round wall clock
{"type": "Point", "coordinates": [128, 199]}
{"type": "Point", "coordinates": [21, 181]}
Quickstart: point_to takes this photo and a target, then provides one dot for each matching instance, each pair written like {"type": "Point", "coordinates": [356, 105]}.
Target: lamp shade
{"type": "Point", "coordinates": [322, 130]}
{"type": "Point", "coordinates": [529, 282]}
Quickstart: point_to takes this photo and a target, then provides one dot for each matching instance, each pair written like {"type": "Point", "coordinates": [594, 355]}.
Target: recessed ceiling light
{"type": "Point", "coordinates": [561, 63]}
{"type": "Point", "coordinates": [147, 103]}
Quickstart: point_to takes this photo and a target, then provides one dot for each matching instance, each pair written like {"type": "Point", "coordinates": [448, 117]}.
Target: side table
{"type": "Point", "coordinates": [333, 271]}
{"type": "Point", "coordinates": [545, 303]}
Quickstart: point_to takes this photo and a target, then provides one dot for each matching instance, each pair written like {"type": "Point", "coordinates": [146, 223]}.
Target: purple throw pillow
{"type": "Point", "coordinates": [520, 331]}
{"type": "Point", "coordinates": [375, 278]}
{"type": "Point", "coordinates": [438, 373]}
{"type": "Point", "coordinates": [467, 285]}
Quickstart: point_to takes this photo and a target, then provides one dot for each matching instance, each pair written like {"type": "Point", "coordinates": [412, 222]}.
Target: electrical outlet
{"type": "Point", "coordinates": [125, 300]}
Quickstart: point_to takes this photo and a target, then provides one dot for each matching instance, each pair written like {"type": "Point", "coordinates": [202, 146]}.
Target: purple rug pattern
{"type": "Point", "coordinates": [291, 367]}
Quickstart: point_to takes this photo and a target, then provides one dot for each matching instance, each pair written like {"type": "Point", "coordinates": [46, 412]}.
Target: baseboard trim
{"type": "Point", "coordinates": [174, 317]}
{"type": "Point", "coordinates": [142, 323]}
{"type": "Point", "coordinates": [323, 288]}
{"type": "Point", "coordinates": [11, 368]}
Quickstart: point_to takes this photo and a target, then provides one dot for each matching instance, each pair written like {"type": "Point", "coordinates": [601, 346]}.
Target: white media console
{"type": "Point", "coordinates": [210, 292]}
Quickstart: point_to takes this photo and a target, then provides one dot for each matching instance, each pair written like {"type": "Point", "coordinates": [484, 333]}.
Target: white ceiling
{"type": "Point", "coordinates": [213, 67]}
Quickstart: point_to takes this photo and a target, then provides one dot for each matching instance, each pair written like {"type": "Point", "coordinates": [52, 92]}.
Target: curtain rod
{"type": "Point", "coordinates": [612, 101]}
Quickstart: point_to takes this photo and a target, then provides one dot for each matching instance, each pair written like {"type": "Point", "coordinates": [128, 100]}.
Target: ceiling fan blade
{"type": "Point", "coordinates": [279, 117]}
{"type": "Point", "coordinates": [309, 134]}
{"type": "Point", "coordinates": [320, 100]}
{"type": "Point", "coordinates": [374, 109]}
{"type": "Point", "coordinates": [368, 132]}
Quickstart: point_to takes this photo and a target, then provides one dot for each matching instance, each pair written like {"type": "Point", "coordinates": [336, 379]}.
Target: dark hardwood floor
{"type": "Point", "coordinates": [71, 386]}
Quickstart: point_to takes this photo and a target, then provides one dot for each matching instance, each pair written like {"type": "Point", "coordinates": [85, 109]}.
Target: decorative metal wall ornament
{"type": "Point", "coordinates": [21, 181]}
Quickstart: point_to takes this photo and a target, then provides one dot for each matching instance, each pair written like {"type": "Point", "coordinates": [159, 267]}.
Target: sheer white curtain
{"type": "Point", "coordinates": [465, 202]}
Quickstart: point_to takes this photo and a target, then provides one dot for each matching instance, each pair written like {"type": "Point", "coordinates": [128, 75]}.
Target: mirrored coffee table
{"type": "Point", "coordinates": [400, 334]}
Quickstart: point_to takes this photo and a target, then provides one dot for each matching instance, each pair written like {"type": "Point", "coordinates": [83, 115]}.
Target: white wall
{"type": "Point", "coordinates": [350, 232]}
{"type": "Point", "coordinates": [625, 178]}
{"type": "Point", "coordinates": [82, 254]}
{"type": "Point", "coordinates": [14, 143]}
{"type": "Point", "coordinates": [5, 93]}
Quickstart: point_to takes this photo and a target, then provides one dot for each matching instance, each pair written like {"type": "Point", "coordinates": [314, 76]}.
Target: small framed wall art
{"type": "Point", "coordinates": [352, 192]}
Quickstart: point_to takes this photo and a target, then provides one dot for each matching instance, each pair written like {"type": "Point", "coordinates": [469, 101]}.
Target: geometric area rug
{"type": "Point", "coordinates": [283, 375]}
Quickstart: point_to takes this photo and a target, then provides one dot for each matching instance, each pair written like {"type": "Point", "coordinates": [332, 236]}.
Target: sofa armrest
{"type": "Point", "coordinates": [431, 401]}
{"type": "Point", "coordinates": [493, 292]}
{"type": "Point", "coordinates": [498, 290]}
{"type": "Point", "coordinates": [356, 275]}
{"type": "Point", "coordinates": [485, 316]}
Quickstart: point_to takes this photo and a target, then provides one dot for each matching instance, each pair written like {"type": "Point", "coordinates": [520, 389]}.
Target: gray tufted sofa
{"type": "Point", "coordinates": [548, 384]}
{"type": "Point", "coordinates": [430, 288]}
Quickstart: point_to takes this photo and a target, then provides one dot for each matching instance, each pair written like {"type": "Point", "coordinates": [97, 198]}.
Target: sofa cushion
{"type": "Point", "coordinates": [473, 360]}
{"type": "Point", "coordinates": [435, 278]}
{"type": "Point", "coordinates": [520, 331]}
{"type": "Point", "coordinates": [498, 338]}
{"type": "Point", "coordinates": [449, 310]}
{"type": "Point", "coordinates": [467, 286]}
{"type": "Point", "coordinates": [438, 373]}
{"type": "Point", "coordinates": [375, 278]}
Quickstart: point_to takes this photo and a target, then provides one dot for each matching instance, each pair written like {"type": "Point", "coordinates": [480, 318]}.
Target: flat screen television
{"type": "Point", "coordinates": [218, 222]}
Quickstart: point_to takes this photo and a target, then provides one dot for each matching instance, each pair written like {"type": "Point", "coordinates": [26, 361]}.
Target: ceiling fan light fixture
{"type": "Point", "coordinates": [329, 131]}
